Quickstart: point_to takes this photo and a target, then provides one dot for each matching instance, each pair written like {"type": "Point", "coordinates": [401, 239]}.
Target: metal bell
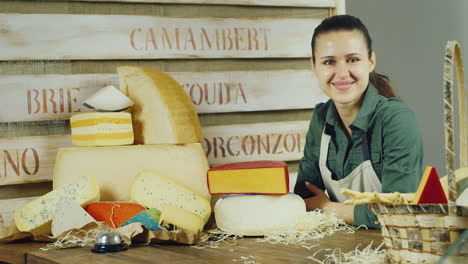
{"type": "Point", "coordinates": [109, 241]}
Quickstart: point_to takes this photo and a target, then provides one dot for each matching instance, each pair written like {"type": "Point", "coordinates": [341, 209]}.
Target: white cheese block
{"type": "Point", "coordinates": [115, 167]}
{"type": "Point", "coordinates": [36, 216]}
{"type": "Point", "coordinates": [463, 198]}
{"type": "Point", "coordinates": [108, 99]}
{"type": "Point", "coordinates": [256, 215]}
{"type": "Point", "coordinates": [153, 190]}
{"type": "Point", "coordinates": [69, 215]}
{"type": "Point", "coordinates": [163, 112]}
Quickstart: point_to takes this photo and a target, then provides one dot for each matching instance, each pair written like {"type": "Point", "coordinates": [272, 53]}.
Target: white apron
{"type": "Point", "coordinates": [362, 179]}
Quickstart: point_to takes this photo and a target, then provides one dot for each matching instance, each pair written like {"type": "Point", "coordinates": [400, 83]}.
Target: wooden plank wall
{"type": "Point", "coordinates": [38, 69]}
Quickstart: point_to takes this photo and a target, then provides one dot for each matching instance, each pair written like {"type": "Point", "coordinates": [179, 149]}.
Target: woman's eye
{"type": "Point", "coordinates": [329, 62]}
{"type": "Point", "coordinates": [352, 60]}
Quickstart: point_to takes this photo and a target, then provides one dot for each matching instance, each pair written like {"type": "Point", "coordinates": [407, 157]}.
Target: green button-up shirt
{"type": "Point", "coordinates": [395, 145]}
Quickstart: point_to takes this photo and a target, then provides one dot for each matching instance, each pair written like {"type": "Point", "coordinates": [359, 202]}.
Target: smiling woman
{"type": "Point", "coordinates": [364, 138]}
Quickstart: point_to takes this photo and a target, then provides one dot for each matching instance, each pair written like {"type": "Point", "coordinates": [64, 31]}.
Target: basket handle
{"type": "Point", "coordinates": [453, 57]}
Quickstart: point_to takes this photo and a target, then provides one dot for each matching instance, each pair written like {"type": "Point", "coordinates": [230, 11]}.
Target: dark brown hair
{"type": "Point", "coordinates": [349, 23]}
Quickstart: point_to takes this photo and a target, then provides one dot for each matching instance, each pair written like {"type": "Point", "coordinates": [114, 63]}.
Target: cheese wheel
{"type": "Point", "coordinates": [163, 112]}
{"type": "Point", "coordinates": [101, 129]}
{"type": "Point", "coordinates": [256, 215]}
{"type": "Point", "coordinates": [173, 217]}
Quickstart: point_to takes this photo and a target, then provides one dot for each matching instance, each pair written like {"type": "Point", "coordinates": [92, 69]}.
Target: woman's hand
{"type": "Point", "coordinates": [320, 200]}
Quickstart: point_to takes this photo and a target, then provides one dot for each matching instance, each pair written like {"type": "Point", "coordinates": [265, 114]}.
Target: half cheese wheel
{"type": "Point", "coordinates": [256, 215]}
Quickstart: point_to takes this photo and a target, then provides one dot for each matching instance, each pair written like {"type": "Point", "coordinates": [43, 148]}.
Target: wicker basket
{"type": "Point", "coordinates": [422, 233]}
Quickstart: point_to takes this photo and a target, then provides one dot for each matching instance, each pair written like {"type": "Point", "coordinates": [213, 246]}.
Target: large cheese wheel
{"type": "Point", "coordinates": [163, 112]}
{"type": "Point", "coordinates": [256, 215]}
{"type": "Point", "coordinates": [116, 167]}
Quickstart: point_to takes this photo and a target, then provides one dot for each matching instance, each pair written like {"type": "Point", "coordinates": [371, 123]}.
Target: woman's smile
{"type": "Point", "coordinates": [343, 85]}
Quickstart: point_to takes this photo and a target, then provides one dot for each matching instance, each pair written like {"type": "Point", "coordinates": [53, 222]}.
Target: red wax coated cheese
{"type": "Point", "coordinates": [113, 213]}
{"type": "Point", "coordinates": [430, 189]}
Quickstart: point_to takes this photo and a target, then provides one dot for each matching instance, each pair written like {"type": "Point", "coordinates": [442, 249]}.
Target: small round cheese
{"type": "Point", "coordinates": [256, 215]}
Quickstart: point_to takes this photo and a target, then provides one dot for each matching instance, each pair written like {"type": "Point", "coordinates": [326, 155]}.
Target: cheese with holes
{"type": "Point", "coordinates": [173, 218]}
{"type": "Point", "coordinates": [149, 218]}
{"type": "Point", "coordinates": [36, 216]}
{"type": "Point", "coordinates": [101, 129]}
{"type": "Point", "coordinates": [115, 167]}
{"type": "Point", "coordinates": [69, 215]}
{"type": "Point", "coordinates": [113, 213]}
{"type": "Point", "coordinates": [256, 215]}
{"type": "Point", "coordinates": [163, 112]}
{"type": "Point", "coordinates": [262, 177]}
{"type": "Point", "coordinates": [430, 189]}
{"type": "Point", "coordinates": [154, 190]}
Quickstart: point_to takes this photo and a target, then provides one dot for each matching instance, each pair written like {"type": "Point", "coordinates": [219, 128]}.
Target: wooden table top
{"type": "Point", "coordinates": [29, 252]}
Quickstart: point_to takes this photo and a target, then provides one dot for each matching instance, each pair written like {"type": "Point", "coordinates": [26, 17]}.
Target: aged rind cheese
{"type": "Point", "coordinates": [256, 215]}
{"type": "Point", "coordinates": [36, 216]}
{"type": "Point", "coordinates": [108, 99]}
{"type": "Point", "coordinates": [176, 218]}
{"type": "Point", "coordinates": [115, 167]}
{"type": "Point", "coordinates": [114, 213]}
{"type": "Point", "coordinates": [69, 215]}
{"type": "Point", "coordinates": [430, 189]}
{"type": "Point", "coordinates": [261, 177]}
{"type": "Point", "coordinates": [101, 129]}
{"type": "Point", "coordinates": [163, 112]}
{"type": "Point", "coordinates": [153, 190]}
{"type": "Point", "coordinates": [149, 218]}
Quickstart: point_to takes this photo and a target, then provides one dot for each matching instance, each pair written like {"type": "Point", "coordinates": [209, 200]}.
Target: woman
{"type": "Point", "coordinates": [364, 138]}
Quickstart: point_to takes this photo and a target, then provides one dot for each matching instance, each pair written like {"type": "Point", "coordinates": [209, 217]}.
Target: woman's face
{"type": "Point", "coordinates": [342, 66]}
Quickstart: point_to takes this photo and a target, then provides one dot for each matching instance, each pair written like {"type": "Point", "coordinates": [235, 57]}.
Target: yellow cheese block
{"type": "Point", "coordinates": [115, 167]}
{"type": "Point", "coordinates": [36, 216]}
{"type": "Point", "coordinates": [163, 112]}
{"type": "Point", "coordinates": [101, 129]}
{"type": "Point", "coordinates": [153, 190]}
{"type": "Point", "coordinates": [256, 177]}
{"type": "Point", "coordinates": [180, 218]}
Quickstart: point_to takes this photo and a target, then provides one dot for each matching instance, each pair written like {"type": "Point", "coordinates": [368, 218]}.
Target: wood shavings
{"type": "Point", "coordinates": [247, 260]}
{"type": "Point", "coordinates": [368, 255]}
{"type": "Point", "coordinates": [85, 237]}
{"type": "Point", "coordinates": [310, 227]}
{"type": "Point", "coordinates": [374, 197]}
{"type": "Point", "coordinates": [216, 237]}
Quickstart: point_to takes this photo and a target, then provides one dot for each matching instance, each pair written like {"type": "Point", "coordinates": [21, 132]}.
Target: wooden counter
{"type": "Point", "coordinates": [263, 252]}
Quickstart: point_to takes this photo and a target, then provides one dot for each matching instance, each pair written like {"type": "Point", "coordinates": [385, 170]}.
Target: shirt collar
{"type": "Point", "coordinates": [371, 98]}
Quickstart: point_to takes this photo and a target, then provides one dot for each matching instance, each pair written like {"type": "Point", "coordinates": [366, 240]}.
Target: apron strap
{"type": "Point", "coordinates": [365, 148]}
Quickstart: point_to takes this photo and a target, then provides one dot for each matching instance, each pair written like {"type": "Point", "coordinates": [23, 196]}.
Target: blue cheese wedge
{"type": "Point", "coordinates": [153, 190]}
{"type": "Point", "coordinates": [69, 215]}
{"type": "Point", "coordinates": [36, 216]}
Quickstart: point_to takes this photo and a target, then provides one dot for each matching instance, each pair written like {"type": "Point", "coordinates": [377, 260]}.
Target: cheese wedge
{"type": "Point", "coordinates": [430, 189]}
{"type": "Point", "coordinates": [262, 177]}
{"type": "Point", "coordinates": [101, 129]}
{"type": "Point", "coordinates": [115, 167]}
{"type": "Point", "coordinates": [69, 215]}
{"type": "Point", "coordinates": [36, 216]}
{"type": "Point", "coordinates": [108, 99]}
{"type": "Point", "coordinates": [153, 190]}
{"type": "Point", "coordinates": [256, 215]}
{"type": "Point", "coordinates": [163, 112]}
{"type": "Point", "coordinates": [176, 218]}
{"type": "Point", "coordinates": [461, 181]}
